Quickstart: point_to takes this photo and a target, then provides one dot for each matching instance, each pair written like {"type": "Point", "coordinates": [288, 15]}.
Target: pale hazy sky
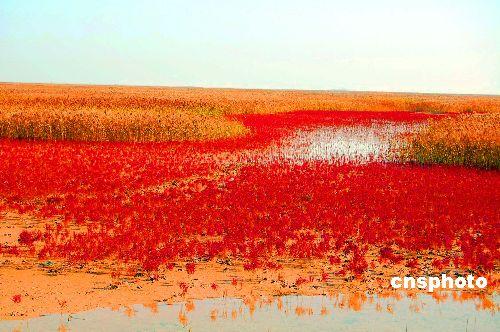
{"type": "Point", "coordinates": [425, 46]}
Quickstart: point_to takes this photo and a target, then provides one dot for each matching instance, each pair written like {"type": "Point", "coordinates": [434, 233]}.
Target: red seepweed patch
{"type": "Point", "coordinates": [156, 203]}
{"type": "Point", "coordinates": [16, 298]}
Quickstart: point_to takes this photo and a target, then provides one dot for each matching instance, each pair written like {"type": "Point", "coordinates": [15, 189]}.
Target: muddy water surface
{"type": "Point", "coordinates": [288, 313]}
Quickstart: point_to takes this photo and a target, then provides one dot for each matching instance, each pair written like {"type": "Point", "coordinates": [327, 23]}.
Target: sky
{"type": "Point", "coordinates": [414, 46]}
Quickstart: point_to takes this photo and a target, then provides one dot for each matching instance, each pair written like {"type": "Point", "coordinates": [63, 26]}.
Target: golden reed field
{"type": "Point", "coordinates": [469, 139]}
{"type": "Point", "coordinates": [122, 113]}
{"type": "Point", "coordinates": [194, 107]}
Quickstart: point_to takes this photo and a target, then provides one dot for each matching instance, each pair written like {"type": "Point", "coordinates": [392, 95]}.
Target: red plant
{"type": "Point", "coordinates": [184, 287]}
{"type": "Point", "coordinates": [27, 238]}
{"type": "Point", "coordinates": [388, 253]}
{"type": "Point", "coordinates": [190, 268]}
{"type": "Point", "coordinates": [300, 281]}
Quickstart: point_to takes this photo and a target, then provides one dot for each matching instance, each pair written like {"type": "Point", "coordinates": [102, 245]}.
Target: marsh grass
{"type": "Point", "coordinates": [135, 125]}
{"type": "Point", "coordinates": [121, 113]}
{"type": "Point", "coordinates": [467, 140]}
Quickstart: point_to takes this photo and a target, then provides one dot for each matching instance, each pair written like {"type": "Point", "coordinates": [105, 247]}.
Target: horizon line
{"type": "Point", "coordinates": [249, 89]}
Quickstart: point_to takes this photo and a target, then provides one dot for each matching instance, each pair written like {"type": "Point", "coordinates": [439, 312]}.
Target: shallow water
{"type": "Point", "coordinates": [287, 313]}
{"type": "Point", "coordinates": [341, 144]}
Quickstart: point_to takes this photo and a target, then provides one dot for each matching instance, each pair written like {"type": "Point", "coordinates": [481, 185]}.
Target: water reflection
{"type": "Point", "coordinates": [341, 144]}
{"type": "Point", "coordinates": [355, 312]}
